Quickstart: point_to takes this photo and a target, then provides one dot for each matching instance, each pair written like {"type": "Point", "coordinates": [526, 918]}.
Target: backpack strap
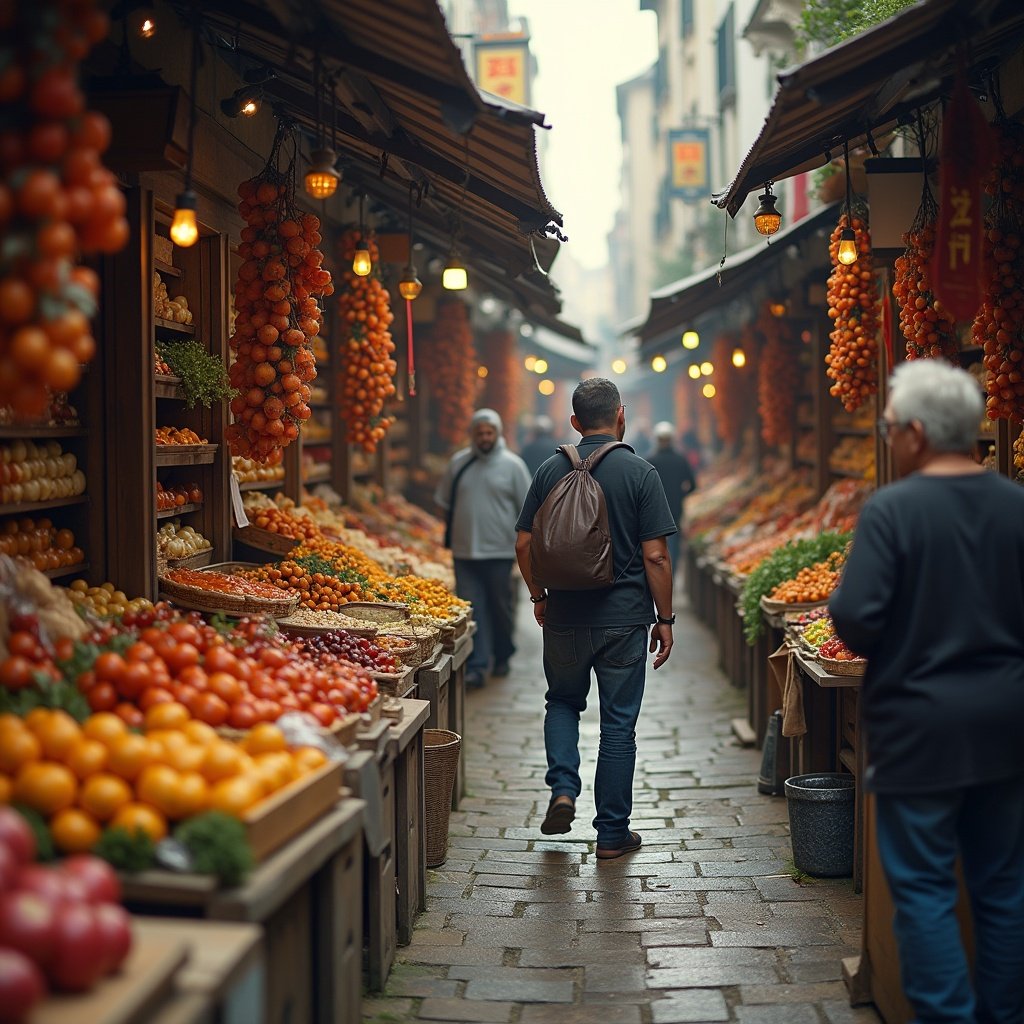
{"type": "Point", "coordinates": [570, 452]}
{"type": "Point", "coordinates": [595, 457]}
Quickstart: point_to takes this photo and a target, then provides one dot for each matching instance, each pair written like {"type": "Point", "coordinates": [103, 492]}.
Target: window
{"type": "Point", "coordinates": [686, 17]}
{"type": "Point", "coordinates": [726, 49]}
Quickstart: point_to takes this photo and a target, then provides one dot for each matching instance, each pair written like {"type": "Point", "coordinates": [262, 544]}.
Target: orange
{"type": "Point", "coordinates": [192, 795]}
{"type": "Point", "coordinates": [87, 757]}
{"type": "Point", "coordinates": [164, 741]}
{"type": "Point", "coordinates": [221, 760]}
{"type": "Point", "coordinates": [308, 759]}
{"type": "Point", "coordinates": [74, 831]}
{"type": "Point", "coordinates": [37, 717]}
{"type": "Point", "coordinates": [168, 715]}
{"type": "Point", "coordinates": [105, 726]}
{"type": "Point", "coordinates": [157, 785]}
{"type": "Point", "coordinates": [235, 796]}
{"type": "Point", "coordinates": [264, 738]}
{"type": "Point", "coordinates": [18, 748]}
{"type": "Point", "coordinates": [104, 794]}
{"type": "Point", "coordinates": [9, 722]}
{"type": "Point", "coordinates": [200, 732]}
{"type": "Point", "coordinates": [46, 787]}
{"type": "Point", "coordinates": [130, 754]}
{"type": "Point", "coordinates": [184, 757]}
{"type": "Point", "coordinates": [58, 734]}
{"type": "Point", "coordinates": [141, 817]}
{"type": "Point", "coordinates": [275, 770]}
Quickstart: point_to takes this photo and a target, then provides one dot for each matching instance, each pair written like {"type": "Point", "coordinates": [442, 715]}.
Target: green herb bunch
{"type": "Point", "coordinates": [783, 564]}
{"type": "Point", "coordinates": [203, 377]}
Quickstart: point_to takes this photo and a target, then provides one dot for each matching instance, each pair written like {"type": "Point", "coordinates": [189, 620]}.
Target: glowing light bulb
{"type": "Point", "coordinates": [184, 230]}
{"type": "Point", "coordinates": [619, 366]}
{"type": "Point", "coordinates": [691, 339]}
{"type": "Point", "coordinates": [530, 362]}
{"type": "Point", "coordinates": [540, 366]}
{"type": "Point", "coordinates": [847, 254]}
{"type": "Point", "coordinates": [658, 364]}
{"type": "Point", "coordinates": [481, 372]}
{"type": "Point", "coordinates": [546, 387]}
{"type": "Point", "coordinates": [361, 262]}
{"type": "Point", "coordinates": [707, 369]}
{"type": "Point", "coordinates": [410, 286]}
{"type": "Point", "coordinates": [694, 371]}
{"type": "Point", "coordinates": [739, 357]}
{"type": "Point", "coordinates": [708, 391]}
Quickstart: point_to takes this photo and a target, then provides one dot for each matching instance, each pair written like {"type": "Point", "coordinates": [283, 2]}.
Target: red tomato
{"type": "Point", "coordinates": [209, 708]}
{"type": "Point", "coordinates": [26, 924]}
{"type": "Point", "coordinates": [219, 659]}
{"type": "Point", "coordinates": [273, 657]}
{"type": "Point", "coordinates": [24, 645]}
{"type": "Point", "coordinates": [16, 673]}
{"type": "Point", "coordinates": [16, 834]}
{"type": "Point", "coordinates": [193, 675]}
{"type": "Point", "coordinates": [325, 714]}
{"type": "Point", "coordinates": [21, 985]}
{"type": "Point", "coordinates": [154, 695]}
{"type": "Point", "coordinates": [182, 655]}
{"type": "Point", "coordinates": [225, 686]}
{"type": "Point", "coordinates": [99, 878]}
{"type": "Point", "coordinates": [129, 713]}
{"type": "Point", "coordinates": [103, 697]}
{"type": "Point", "coordinates": [115, 933]}
{"type": "Point", "coordinates": [136, 678]}
{"type": "Point", "coordinates": [184, 632]}
{"type": "Point", "coordinates": [242, 715]}
{"type": "Point", "coordinates": [140, 652]}
{"type": "Point", "coordinates": [110, 666]}
{"type": "Point", "coordinates": [79, 956]}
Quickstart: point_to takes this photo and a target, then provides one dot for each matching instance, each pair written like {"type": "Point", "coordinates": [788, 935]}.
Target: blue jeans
{"type": "Point", "coordinates": [617, 654]}
{"type": "Point", "coordinates": [487, 582]}
{"type": "Point", "coordinates": [919, 837]}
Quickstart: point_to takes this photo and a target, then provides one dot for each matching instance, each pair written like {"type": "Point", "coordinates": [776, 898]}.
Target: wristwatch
{"type": "Point", "coordinates": [537, 600]}
{"type": "Point", "coordinates": [670, 621]}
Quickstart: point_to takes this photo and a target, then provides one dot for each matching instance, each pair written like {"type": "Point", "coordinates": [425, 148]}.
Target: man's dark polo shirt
{"type": "Point", "coordinates": [637, 511]}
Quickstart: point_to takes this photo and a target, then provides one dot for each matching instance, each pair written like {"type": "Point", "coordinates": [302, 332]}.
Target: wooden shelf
{"type": "Point", "coordinates": [196, 561]}
{"type": "Point", "coordinates": [318, 475]}
{"type": "Point", "coordinates": [167, 386]}
{"type": "Point", "coordinates": [174, 328]}
{"type": "Point", "coordinates": [853, 431]}
{"type": "Point", "coordinates": [15, 432]}
{"type": "Point", "coordinates": [23, 508]}
{"type": "Point", "coordinates": [67, 570]}
{"type": "Point", "coordinates": [185, 454]}
{"type": "Point", "coordinates": [261, 485]}
{"type": "Point", "coordinates": [170, 513]}
{"type": "Point", "coordinates": [166, 268]}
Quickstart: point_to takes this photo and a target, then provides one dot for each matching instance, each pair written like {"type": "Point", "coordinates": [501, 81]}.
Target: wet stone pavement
{"type": "Point", "coordinates": [705, 923]}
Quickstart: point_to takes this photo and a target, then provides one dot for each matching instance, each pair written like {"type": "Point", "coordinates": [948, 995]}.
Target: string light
{"type": "Point", "coordinates": [709, 390]}
{"type": "Point", "coordinates": [540, 366]}
{"type": "Point", "coordinates": [184, 229]}
{"type": "Point", "coordinates": [767, 219]}
{"type": "Point", "coordinates": [691, 339]}
{"type": "Point", "coordinates": [706, 369]}
{"type": "Point", "coordinates": [619, 366]}
{"type": "Point", "coordinates": [739, 357]}
{"type": "Point", "coordinates": [658, 364]}
{"type": "Point", "coordinates": [546, 387]}
{"type": "Point", "coordinates": [694, 371]}
{"type": "Point", "coordinates": [361, 262]}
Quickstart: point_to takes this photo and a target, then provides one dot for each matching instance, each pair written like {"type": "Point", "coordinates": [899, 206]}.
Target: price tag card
{"type": "Point", "coordinates": [241, 519]}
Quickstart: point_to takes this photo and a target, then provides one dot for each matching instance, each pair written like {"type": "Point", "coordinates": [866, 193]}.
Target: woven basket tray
{"type": "Point", "coordinates": [377, 612]}
{"type": "Point", "coordinates": [306, 629]}
{"type": "Point", "coordinates": [264, 540]}
{"type": "Point", "coordinates": [842, 668]}
{"type": "Point", "coordinates": [392, 684]}
{"type": "Point", "coordinates": [425, 638]}
{"type": "Point", "coordinates": [202, 600]}
{"type": "Point", "coordinates": [410, 654]}
{"type": "Point", "coordinates": [775, 607]}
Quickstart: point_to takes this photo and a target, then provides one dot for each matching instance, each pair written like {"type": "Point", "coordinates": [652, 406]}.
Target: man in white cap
{"type": "Point", "coordinates": [481, 492]}
{"type": "Point", "coordinates": [676, 477]}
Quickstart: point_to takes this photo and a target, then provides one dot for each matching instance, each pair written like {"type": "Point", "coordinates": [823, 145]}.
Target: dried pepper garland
{"type": "Point", "coordinates": [999, 325]}
{"type": "Point", "coordinates": [367, 349]}
{"type": "Point", "coordinates": [452, 371]}
{"type": "Point", "coordinates": [853, 307]}
{"type": "Point", "coordinates": [278, 314]}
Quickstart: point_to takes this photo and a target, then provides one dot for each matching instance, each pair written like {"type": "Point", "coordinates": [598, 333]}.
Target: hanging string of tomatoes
{"type": "Point", "coordinates": [452, 371]}
{"type": "Point", "coordinates": [57, 200]}
{"type": "Point", "coordinates": [999, 325]}
{"type": "Point", "coordinates": [501, 385]}
{"type": "Point", "coordinates": [367, 349]}
{"type": "Point", "coordinates": [929, 329]}
{"type": "Point", "coordinates": [853, 307]}
{"type": "Point", "coordinates": [779, 378]}
{"type": "Point", "coordinates": [278, 315]}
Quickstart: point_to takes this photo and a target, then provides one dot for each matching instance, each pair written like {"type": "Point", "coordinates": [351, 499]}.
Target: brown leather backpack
{"type": "Point", "coordinates": [570, 543]}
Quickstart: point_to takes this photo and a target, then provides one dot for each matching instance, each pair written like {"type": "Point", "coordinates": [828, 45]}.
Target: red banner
{"type": "Point", "coordinates": [966, 151]}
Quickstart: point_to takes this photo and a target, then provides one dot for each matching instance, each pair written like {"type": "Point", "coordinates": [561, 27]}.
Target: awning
{"type": "Point", "coordinates": [407, 113]}
{"type": "Point", "coordinates": [675, 307]}
{"type": "Point", "coordinates": [868, 83]}
{"type": "Point", "coordinates": [566, 358]}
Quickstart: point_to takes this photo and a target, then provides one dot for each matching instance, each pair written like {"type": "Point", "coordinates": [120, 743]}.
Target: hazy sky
{"type": "Point", "coordinates": [584, 48]}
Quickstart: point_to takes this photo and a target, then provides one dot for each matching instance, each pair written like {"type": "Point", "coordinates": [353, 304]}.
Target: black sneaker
{"type": "Point", "coordinates": [500, 670]}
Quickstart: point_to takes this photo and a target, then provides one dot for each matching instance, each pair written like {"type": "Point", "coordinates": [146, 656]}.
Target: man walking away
{"type": "Point", "coordinates": [606, 629]}
{"type": "Point", "coordinates": [933, 596]}
{"type": "Point", "coordinates": [676, 477]}
{"type": "Point", "coordinates": [481, 491]}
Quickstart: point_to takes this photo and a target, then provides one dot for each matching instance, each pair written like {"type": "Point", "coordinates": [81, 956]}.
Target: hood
{"type": "Point", "coordinates": [486, 416]}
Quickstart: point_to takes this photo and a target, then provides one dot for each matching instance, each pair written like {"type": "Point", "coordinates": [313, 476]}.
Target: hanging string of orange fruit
{"type": "Point", "coordinates": [278, 313]}
{"type": "Point", "coordinates": [733, 384]}
{"type": "Point", "coordinates": [452, 371]}
{"type": "Point", "coordinates": [999, 325]}
{"type": "Point", "coordinates": [501, 385]}
{"type": "Point", "coordinates": [853, 308]}
{"type": "Point", "coordinates": [779, 378]}
{"type": "Point", "coordinates": [929, 329]}
{"type": "Point", "coordinates": [57, 200]}
{"type": "Point", "coordinates": [367, 351]}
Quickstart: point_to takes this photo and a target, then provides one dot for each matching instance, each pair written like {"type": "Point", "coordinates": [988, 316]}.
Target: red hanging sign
{"type": "Point", "coordinates": [966, 151]}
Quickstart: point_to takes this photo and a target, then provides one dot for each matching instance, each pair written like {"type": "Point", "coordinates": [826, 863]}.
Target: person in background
{"type": "Point", "coordinates": [677, 478]}
{"type": "Point", "coordinates": [603, 630]}
{"type": "Point", "coordinates": [541, 446]}
{"type": "Point", "coordinates": [933, 596]}
{"type": "Point", "coordinates": [481, 492]}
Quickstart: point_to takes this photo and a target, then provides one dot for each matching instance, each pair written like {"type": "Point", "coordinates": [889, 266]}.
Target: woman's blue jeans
{"type": "Point", "coordinates": [919, 837]}
{"type": "Point", "coordinates": [617, 655]}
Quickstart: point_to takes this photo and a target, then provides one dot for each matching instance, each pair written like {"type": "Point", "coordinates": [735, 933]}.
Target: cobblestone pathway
{"type": "Point", "coordinates": [704, 924]}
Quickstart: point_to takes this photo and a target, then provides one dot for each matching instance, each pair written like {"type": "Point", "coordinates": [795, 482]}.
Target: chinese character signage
{"type": "Point", "coordinates": [502, 68]}
{"type": "Point", "coordinates": [689, 162]}
{"type": "Point", "coordinates": [958, 260]}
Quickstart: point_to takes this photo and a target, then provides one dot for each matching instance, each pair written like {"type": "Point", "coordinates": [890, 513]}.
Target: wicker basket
{"type": "Point", "coordinates": [392, 684]}
{"type": "Point", "coordinates": [202, 600]}
{"type": "Point", "coordinates": [277, 608]}
{"type": "Point", "coordinates": [441, 749]}
{"type": "Point", "coordinates": [842, 668]}
{"type": "Point", "coordinates": [411, 656]}
{"type": "Point", "coordinates": [379, 612]}
{"type": "Point", "coordinates": [264, 540]}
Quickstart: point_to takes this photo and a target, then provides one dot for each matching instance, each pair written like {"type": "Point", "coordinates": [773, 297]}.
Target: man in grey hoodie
{"type": "Point", "coordinates": [482, 491]}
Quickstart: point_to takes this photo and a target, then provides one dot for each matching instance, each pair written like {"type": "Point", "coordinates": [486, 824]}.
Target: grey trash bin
{"type": "Point", "coordinates": [821, 823]}
{"type": "Point", "coordinates": [441, 748]}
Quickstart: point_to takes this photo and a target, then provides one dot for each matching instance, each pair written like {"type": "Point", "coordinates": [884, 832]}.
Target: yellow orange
{"type": "Point", "coordinates": [264, 738]}
{"type": "Point", "coordinates": [46, 787]}
{"type": "Point", "coordinates": [170, 715]}
{"type": "Point", "coordinates": [137, 816]}
{"type": "Point", "coordinates": [105, 726]}
{"type": "Point", "coordinates": [130, 754]}
{"type": "Point", "coordinates": [235, 796]}
{"type": "Point", "coordinates": [104, 794]}
{"type": "Point", "coordinates": [74, 831]}
{"type": "Point", "coordinates": [17, 749]}
{"type": "Point", "coordinates": [87, 757]}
